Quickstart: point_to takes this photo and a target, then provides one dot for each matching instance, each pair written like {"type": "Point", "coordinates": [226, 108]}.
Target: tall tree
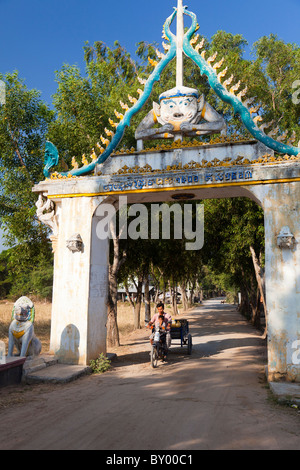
{"type": "Point", "coordinates": [24, 122]}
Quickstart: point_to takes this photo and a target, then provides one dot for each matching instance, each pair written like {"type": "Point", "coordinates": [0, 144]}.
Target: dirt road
{"type": "Point", "coordinates": [217, 398]}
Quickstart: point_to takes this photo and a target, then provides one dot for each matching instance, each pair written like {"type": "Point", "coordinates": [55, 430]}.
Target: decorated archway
{"type": "Point", "coordinates": [264, 169]}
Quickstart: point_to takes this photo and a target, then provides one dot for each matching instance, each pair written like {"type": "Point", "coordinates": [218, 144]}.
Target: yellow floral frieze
{"type": "Point", "coordinates": [186, 144]}
{"type": "Point", "coordinates": [192, 165]}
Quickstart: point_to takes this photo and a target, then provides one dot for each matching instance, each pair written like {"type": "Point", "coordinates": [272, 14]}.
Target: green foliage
{"type": "Point", "coordinates": [6, 278]}
{"type": "Point", "coordinates": [100, 365]}
{"type": "Point", "coordinates": [84, 104]}
{"type": "Point", "coordinates": [27, 270]}
{"type": "Point", "coordinates": [24, 122]}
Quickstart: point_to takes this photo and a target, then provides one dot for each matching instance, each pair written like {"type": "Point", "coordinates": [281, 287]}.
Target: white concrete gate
{"type": "Point", "coordinates": [264, 169]}
{"type": "Point", "coordinates": [248, 169]}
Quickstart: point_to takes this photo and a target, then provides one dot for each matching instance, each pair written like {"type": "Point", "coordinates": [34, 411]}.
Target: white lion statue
{"type": "Point", "coordinates": [21, 331]}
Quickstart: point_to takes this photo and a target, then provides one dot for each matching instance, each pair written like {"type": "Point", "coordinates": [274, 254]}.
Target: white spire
{"type": "Point", "coordinates": [180, 34]}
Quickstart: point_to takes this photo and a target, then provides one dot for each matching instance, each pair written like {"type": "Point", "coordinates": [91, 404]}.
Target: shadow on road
{"type": "Point", "coordinates": [215, 328]}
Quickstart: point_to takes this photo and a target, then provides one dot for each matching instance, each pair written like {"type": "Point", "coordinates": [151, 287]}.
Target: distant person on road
{"type": "Point", "coordinates": [157, 320]}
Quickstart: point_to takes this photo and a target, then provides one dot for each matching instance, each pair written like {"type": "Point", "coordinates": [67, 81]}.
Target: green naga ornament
{"type": "Point", "coordinates": [181, 111]}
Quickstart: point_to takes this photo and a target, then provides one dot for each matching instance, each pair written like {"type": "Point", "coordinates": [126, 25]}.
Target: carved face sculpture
{"type": "Point", "coordinates": [285, 239]}
{"type": "Point", "coordinates": [22, 314]}
{"type": "Point", "coordinates": [23, 309]}
{"type": "Point", "coordinates": [178, 105]}
{"type": "Point", "coordinates": [75, 243]}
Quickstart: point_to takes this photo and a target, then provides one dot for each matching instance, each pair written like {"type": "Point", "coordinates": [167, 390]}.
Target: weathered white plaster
{"type": "Point", "coordinates": [281, 208]}
{"type": "Point", "coordinates": [78, 314]}
{"type": "Point", "coordinates": [160, 160]}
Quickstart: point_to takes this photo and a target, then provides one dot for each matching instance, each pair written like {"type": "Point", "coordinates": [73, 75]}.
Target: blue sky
{"type": "Point", "coordinates": [38, 36]}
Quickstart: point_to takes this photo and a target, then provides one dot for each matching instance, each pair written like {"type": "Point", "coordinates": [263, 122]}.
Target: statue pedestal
{"type": "Point", "coordinates": [11, 371]}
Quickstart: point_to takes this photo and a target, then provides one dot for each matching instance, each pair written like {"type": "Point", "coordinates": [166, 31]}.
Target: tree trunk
{"type": "Point", "coordinates": [255, 320]}
{"type": "Point", "coordinates": [245, 306]}
{"type": "Point", "coordinates": [191, 300]}
{"type": "Point", "coordinates": [261, 285]}
{"type": "Point", "coordinates": [137, 309]}
{"type": "Point", "coordinates": [112, 325]}
{"type": "Point", "coordinates": [113, 338]}
{"type": "Point", "coordinates": [184, 299]}
{"type": "Point", "coordinates": [128, 294]}
{"type": "Point", "coordinates": [173, 294]}
{"type": "Point", "coordinates": [147, 301]}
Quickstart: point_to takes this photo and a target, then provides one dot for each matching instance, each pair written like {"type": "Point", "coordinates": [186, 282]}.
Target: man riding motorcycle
{"type": "Point", "coordinates": [163, 321]}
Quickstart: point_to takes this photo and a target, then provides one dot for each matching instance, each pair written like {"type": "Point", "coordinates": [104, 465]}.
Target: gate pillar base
{"type": "Point", "coordinates": [282, 277]}
{"type": "Point", "coordinates": [78, 324]}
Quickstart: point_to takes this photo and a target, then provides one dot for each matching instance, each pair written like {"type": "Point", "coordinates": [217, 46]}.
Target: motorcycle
{"type": "Point", "coordinates": [158, 347]}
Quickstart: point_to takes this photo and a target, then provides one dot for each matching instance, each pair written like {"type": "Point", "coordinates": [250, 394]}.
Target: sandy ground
{"type": "Point", "coordinates": [215, 399]}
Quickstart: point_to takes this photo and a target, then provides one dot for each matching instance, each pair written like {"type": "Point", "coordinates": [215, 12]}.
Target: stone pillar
{"type": "Point", "coordinates": [281, 203]}
{"type": "Point", "coordinates": [78, 326]}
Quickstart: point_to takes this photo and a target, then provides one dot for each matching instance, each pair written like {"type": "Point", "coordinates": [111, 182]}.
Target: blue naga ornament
{"type": "Point", "coordinates": [116, 137]}
{"type": "Point", "coordinates": [208, 68]}
{"type": "Point", "coordinates": [235, 101]}
{"type": "Point", "coordinates": [50, 159]}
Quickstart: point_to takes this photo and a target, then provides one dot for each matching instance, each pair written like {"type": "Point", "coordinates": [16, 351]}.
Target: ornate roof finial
{"type": "Point", "coordinates": [180, 35]}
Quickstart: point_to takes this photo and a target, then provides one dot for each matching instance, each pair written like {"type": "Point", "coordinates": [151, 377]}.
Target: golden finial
{"type": "Point", "coordinates": [119, 115]}
{"type": "Point", "coordinates": [249, 102]}
{"type": "Point", "coordinates": [100, 147]}
{"type": "Point", "coordinates": [74, 163]}
{"type": "Point", "coordinates": [142, 81]}
{"type": "Point", "coordinates": [283, 137]}
{"type": "Point", "coordinates": [93, 155]}
{"type": "Point", "coordinates": [235, 87]}
{"type": "Point", "coordinates": [219, 64]}
{"type": "Point", "coordinates": [255, 109]}
{"type": "Point", "coordinates": [154, 63]}
{"type": "Point", "coordinates": [292, 138]}
{"type": "Point", "coordinates": [84, 160]}
{"type": "Point", "coordinates": [109, 132]}
{"type": "Point", "coordinates": [166, 46]}
{"type": "Point", "coordinates": [132, 100]}
{"type": "Point", "coordinates": [222, 74]}
{"type": "Point", "coordinates": [159, 54]}
{"type": "Point", "coordinates": [228, 81]}
{"type": "Point", "coordinates": [104, 141]}
{"type": "Point", "coordinates": [112, 123]}
{"type": "Point", "coordinates": [212, 58]}
{"type": "Point", "coordinates": [274, 132]}
{"type": "Point", "coordinates": [257, 119]}
{"type": "Point", "coordinates": [266, 126]}
{"type": "Point", "coordinates": [242, 93]}
{"type": "Point", "coordinates": [201, 44]}
{"type": "Point", "coordinates": [194, 40]}
{"type": "Point", "coordinates": [124, 106]}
